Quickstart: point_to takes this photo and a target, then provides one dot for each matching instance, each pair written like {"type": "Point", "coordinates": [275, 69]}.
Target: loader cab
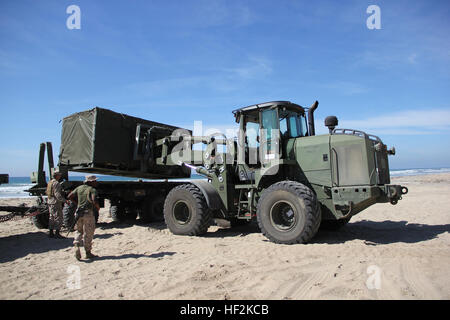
{"type": "Point", "coordinates": [263, 129]}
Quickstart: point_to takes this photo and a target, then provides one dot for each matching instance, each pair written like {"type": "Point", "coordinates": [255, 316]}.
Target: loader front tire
{"type": "Point", "coordinates": [288, 212]}
{"type": "Point", "coordinates": [186, 211]}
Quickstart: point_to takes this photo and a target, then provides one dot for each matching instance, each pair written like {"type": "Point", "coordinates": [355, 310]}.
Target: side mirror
{"type": "Point", "coordinates": [331, 122]}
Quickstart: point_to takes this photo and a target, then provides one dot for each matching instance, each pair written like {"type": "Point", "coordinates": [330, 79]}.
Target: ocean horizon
{"type": "Point", "coordinates": [16, 186]}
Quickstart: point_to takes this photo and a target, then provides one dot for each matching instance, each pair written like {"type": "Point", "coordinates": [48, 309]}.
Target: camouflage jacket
{"type": "Point", "coordinates": [55, 192]}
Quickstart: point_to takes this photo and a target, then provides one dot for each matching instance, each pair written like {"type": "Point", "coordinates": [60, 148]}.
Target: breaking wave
{"type": "Point", "coordinates": [415, 172]}
{"type": "Point", "coordinates": [14, 190]}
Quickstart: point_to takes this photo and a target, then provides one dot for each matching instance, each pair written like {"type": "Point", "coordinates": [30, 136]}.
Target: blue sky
{"type": "Point", "coordinates": [183, 61]}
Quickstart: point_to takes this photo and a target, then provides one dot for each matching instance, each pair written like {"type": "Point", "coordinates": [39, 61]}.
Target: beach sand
{"type": "Point", "coordinates": [385, 252]}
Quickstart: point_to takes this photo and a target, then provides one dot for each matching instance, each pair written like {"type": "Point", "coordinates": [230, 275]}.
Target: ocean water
{"type": "Point", "coordinates": [416, 172]}
{"type": "Point", "coordinates": [16, 186]}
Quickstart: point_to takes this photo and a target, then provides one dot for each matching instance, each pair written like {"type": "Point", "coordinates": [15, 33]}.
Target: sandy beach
{"type": "Point", "coordinates": [385, 252]}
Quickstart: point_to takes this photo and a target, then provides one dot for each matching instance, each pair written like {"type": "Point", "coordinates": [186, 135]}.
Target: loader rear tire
{"type": "Point", "coordinates": [186, 211]}
{"type": "Point", "coordinates": [288, 212]}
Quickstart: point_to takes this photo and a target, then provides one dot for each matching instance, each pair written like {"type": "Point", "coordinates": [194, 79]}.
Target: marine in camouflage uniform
{"type": "Point", "coordinates": [86, 196]}
{"type": "Point", "coordinates": [55, 204]}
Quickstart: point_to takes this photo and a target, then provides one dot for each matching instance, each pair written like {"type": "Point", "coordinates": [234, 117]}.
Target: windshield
{"type": "Point", "coordinates": [292, 124]}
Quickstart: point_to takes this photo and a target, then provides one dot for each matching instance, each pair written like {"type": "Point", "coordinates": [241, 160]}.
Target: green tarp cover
{"type": "Point", "coordinates": [104, 139]}
{"type": "Point", "coordinates": [77, 138]}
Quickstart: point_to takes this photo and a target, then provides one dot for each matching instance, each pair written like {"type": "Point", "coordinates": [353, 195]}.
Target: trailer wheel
{"type": "Point", "coordinates": [131, 212]}
{"type": "Point", "coordinates": [41, 220]}
{"type": "Point", "coordinates": [153, 209]}
{"type": "Point", "coordinates": [157, 209]}
{"type": "Point", "coordinates": [288, 212]}
{"type": "Point", "coordinates": [117, 213]}
{"type": "Point", "coordinates": [186, 211]}
{"type": "Point", "coordinates": [69, 214]}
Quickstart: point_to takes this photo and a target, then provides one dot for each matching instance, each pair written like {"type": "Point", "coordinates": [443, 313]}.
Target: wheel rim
{"type": "Point", "coordinates": [282, 216]}
{"type": "Point", "coordinates": [181, 212]}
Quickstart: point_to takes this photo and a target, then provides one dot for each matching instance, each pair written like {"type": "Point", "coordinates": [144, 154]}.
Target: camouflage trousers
{"type": "Point", "coordinates": [55, 219]}
{"type": "Point", "coordinates": [84, 231]}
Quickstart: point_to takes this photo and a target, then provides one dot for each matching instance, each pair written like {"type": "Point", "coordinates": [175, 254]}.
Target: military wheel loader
{"type": "Point", "coordinates": [277, 170]}
{"type": "Point", "coordinates": [280, 172]}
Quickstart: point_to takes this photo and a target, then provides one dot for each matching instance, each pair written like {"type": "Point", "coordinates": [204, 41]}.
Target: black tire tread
{"type": "Point", "coordinates": [202, 223]}
{"type": "Point", "coordinates": [313, 220]}
{"type": "Point", "coordinates": [41, 220]}
{"type": "Point", "coordinates": [149, 209]}
{"type": "Point", "coordinates": [117, 213]}
{"type": "Point", "coordinates": [69, 214]}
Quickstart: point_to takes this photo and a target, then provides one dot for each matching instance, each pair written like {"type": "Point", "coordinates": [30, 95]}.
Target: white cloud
{"type": "Point", "coordinates": [221, 12]}
{"type": "Point", "coordinates": [256, 67]}
{"type": "Point", "coordinates": [222, 80]}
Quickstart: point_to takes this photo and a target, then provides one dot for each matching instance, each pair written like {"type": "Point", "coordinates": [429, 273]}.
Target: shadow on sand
{"type": "Point", "coordinates": [133, 256]}
{"type": "Point", "coordinates": [372, 232]}
{"type": "Point", "coordinates": [128, 224]}
{"type": "Point", "coordinates": [18, 246]}
{"type": "Point", "coordinates": [382, 232]}
{"type": "Point", "coordinates": [236, 231]}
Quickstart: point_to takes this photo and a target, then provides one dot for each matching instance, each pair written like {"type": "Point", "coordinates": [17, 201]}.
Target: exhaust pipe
{"type": "Point", "coordinates": [312, 131]}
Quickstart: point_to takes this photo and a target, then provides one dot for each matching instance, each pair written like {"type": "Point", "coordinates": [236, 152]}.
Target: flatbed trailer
{"type": "Point", "coordinates": [128, 200]}
{"type": "Point", "coordinates": [103, 142]}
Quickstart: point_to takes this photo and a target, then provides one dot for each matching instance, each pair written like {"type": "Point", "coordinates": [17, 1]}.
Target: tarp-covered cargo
{"type": "Point", "coordinates": [106, 142]}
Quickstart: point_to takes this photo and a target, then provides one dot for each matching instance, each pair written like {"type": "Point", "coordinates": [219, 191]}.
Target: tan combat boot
{"type": "Point", "coordinates": [77, 253]}
{"type": "Point", "coordinates": [89, 255]}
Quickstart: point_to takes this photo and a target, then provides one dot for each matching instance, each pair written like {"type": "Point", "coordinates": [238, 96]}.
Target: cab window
{"type": "Point", "coordinates": [284, 127]}
{"type": "Point", "coordinates": [252, 134]}
{"type": "Point", "coordinates": [269, 121]}
{"type": "Point", "coordinates": [295, 124]}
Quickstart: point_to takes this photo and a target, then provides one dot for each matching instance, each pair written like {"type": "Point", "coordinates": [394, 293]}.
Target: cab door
{"type": "Point", "coordinates": [270, 136]}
